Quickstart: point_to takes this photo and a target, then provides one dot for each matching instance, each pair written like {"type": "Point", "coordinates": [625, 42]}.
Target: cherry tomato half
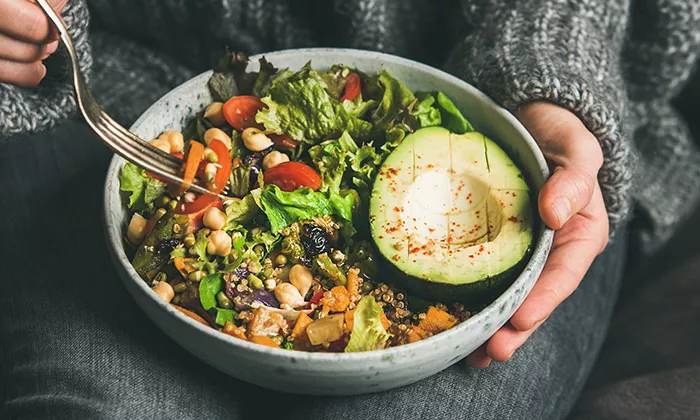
{"type": "Point", "coordinates": [202, 202]}
{"type": "Point", "coordinates": [292, 175]}
{"type": "Point", "coordinates": [352, 87]}
{"type": "Point", "coordinates": [240, 111]}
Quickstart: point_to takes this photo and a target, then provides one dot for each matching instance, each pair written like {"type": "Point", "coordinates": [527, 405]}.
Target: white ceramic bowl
{"type": "Point", "coordinates": [325, 373]}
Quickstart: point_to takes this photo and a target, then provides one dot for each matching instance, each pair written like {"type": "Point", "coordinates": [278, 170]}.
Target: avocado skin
{"type": "Point", "coordinates": [477, 293]}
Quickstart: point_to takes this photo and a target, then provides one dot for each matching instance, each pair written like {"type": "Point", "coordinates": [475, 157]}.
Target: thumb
{"type": "Point", "coordinates": [567, 192]}
{"type": "Point", "coordinates": [575, 155]}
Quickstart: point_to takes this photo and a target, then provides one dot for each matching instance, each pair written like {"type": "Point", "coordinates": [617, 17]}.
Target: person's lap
{"type": "Point", "coordinates": [74, 345]}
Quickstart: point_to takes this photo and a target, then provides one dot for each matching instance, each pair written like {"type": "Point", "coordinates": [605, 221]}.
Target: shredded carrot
{"type": "Point", "coordinates": [234, 331]}
{"type": "Point", "coordinates": [350, 320]}
{"type": "Point", "coordinates": [354, 284]}
{"type": "Point", "coordinates": [335, 300]}
{"type": "Point", "coordinates": [303, 321]}
{"type": "Point", "coordinates": [183, 265]}
{"type": "Point", "coordinates": [263, 340]}
{"type": "Point", "coordinates": [191, 314]}
{"type": "Point", "coordinates": [415, 334]}
{"type": "Point", "coordinates": [195, 154]}
{"type": "Point", "coordinates": [436, 321]}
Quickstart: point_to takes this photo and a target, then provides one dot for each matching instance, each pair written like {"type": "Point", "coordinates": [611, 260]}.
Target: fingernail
{"type": "Point", "coordinates": [51, 47]}
{"type": "Point", "coordinates": [562, 209]}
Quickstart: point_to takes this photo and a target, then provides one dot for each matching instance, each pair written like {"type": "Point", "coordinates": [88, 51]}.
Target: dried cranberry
{"type": "Point", "coordinates": [165, 246]}
{"type": "Point", "coordinates": [315, 239]}
{"type": "Point", "coordinates": [255, 158]}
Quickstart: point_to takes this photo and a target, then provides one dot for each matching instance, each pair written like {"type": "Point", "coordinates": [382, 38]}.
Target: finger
{"type": "Point", "coordinates": [506, 341]}
{"type": "Point", "coordinates": [575, 248]}
{"type": "Point", "coordinates": [26, 21]}
{"type": "Point", "coordinates": [568, 191]}
{"type": "Point", "coordinates": [21, 74]}
{"type": "Point", "coordinates": [25, 52]}
{"type": "Point", "coordinates": [479, 359]}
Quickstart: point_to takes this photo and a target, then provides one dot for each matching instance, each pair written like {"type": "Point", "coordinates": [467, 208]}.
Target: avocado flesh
{"type": "Point", "coordinates": [457, 225]}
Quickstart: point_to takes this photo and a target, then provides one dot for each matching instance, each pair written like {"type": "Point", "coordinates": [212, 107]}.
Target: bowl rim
{"type": "Point", "coordinates": [541, 249]}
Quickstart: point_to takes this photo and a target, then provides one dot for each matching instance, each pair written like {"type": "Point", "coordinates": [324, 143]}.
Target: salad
{"type": "Point", "coordinates": [286, 259]}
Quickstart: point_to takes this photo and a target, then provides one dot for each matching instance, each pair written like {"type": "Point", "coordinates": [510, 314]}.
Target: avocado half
{"type": "Point", "coordinates": [451, 215]}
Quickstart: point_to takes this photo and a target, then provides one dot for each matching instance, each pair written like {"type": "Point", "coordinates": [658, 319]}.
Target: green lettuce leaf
{"type": "Point", "coordinates": [224, 315]}
{"type": "Point", "coordinates": [200, 246]}
{"type": "Point", "coordinates": [232, 78]}
{"type": "Point", "coordinates": [425, 111]}
{"type": "Point", "coordinates": [329, 157]}
{"type": "Point", "coordinates": [240, 212]}
{"type": "Point", "coordinates": [394, 98]}
{"type": "Point", "coordinates": [368, 333]}
{"type": "Point", "coordinates": [359, 107]}
{"type": "Point", "coordinates": [336, 158]}
{"type": "Point", "coordinates": [208, 288]}
{"type": "Point", "coordinates": [142, 188]}
{"type": "Point", "coordinates": [196, 128]}
{"type": "Point", "coordinates": [449, 116]}
{"type": "Point", "coordinates": [239, 180]}
{"type": "Point", "coordinates": [452, 119]}
{"type": "Point", "coordinates": [304, 110]}
{"type": "Point", "coordinates": [284, 208]}
{"type": "Point", "coordinates": [333, 80]}
{"type": "Point", "coordinates": [265, 238]}
{"type": "Point", "coordinates": [342, 205]}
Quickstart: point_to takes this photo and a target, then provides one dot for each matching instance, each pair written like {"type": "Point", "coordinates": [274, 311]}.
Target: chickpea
{"type": "Point", "coordinates": [174, 139]}
{"type": "Point", "coordinates": [301, 278]}
{"type": "Point", "coordinates": [215, 113]}
{"type": "Point", "coordinates": [219, 134]}
{"type": "Point", "coordinates": [161, 144]}
{"type": "Point", "coordinates": [255, 140]}
{"type": "Point", "coordinates": [209, 172]}
{"type": "Point", "coordinates": [287, 293]}
{"type": "Point", "coordinates": [219, 243]}
{"type": "Point", "coordinates": [273, 159]}
{"type": "Point", "coordinates": [164, 291]}
{"type": "Point", "coordinates": [136, 231]}
{"type": "Point", "coordinates": [214, 218]}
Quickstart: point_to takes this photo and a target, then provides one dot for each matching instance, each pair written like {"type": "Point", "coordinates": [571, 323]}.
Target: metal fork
{"type": "Point", "coordinates": [119, 139]}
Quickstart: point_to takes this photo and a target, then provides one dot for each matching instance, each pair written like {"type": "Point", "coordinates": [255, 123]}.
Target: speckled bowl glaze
{"type": "Point", "coordinates": [325, 373]}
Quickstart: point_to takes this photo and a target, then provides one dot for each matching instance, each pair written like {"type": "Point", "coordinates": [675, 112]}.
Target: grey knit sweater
{"type": "Point", "coordinates": [616, 64]}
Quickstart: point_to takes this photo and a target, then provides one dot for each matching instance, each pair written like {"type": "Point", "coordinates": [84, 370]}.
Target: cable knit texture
{"type": "Point", "coordinates": [616, 65]}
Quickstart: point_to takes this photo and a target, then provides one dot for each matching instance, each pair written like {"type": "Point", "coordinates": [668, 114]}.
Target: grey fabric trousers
{"type": "Point", "coordinates": [73, 344]}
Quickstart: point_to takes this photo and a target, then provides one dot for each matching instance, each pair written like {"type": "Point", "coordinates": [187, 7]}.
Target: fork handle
{"type": "Point", "coordinates": [62, 30]}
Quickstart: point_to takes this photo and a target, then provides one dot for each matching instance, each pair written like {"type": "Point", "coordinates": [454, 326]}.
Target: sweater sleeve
{"type": "Point", "coordinates": [36, 109]}
{"type": "Point", "coordinates": [563, 52]}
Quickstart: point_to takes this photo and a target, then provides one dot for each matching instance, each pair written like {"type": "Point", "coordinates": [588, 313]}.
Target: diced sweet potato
{"type": "Point", "coordinates": [266, 323]}
{"type": "Point", "coordinates": [436, 321]}
{"type": "Point", "coordinates": [302, 322]}
{"type": "Point", "coordinates": [234, 331]}
{"type": "Point", "coordinates": [263, 340]}
{"type": "Point", "coordinates": [191, 314]}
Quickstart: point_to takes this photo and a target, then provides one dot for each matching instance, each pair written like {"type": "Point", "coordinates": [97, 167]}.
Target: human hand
{"type": "Point", "coordinates": [26, 38]}
{"type": "Point", "coordinates": [572, 204]}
